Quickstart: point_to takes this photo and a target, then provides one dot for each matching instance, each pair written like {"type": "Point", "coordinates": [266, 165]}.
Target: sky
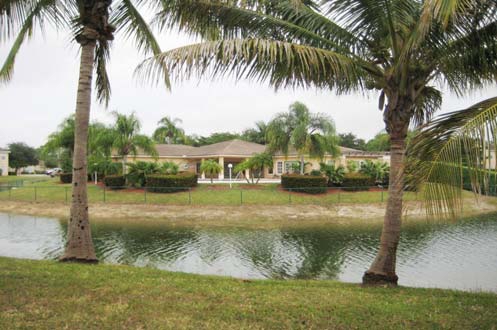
{"type": "Point", "coordinates": [43, 93]}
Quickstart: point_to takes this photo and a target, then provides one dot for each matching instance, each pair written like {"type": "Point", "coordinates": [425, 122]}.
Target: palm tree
{"type": "Point", "coordinates": [128, 140]}
{"type": "Point", "coordinates": [310, 134]}
{"type": "Point", "coordinates": [210, 167]}
{"type": "Point", "coordinates": [93, 29]}
{"type": "Point", "coordinates": [256, 165]}
{"type": "Point", "coordinates": [257, 134]}
{"type": "Point", "coordinates": [396, 48]}
{"type": "Point", "coordinates": [453, 151]}
{"type": "Point", "coordinates": [169, 132]}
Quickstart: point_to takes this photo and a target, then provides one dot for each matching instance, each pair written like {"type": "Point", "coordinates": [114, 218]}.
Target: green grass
{"type": "Point", "coordinates": [50, 295]}
{"type": "Point", "coordinates": [52, 190]}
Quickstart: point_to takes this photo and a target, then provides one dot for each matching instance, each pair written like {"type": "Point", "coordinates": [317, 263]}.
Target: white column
{"type": "Point", "coordinates": [203, 173]}
{"type": "Point", "coordinates": [221, 162]}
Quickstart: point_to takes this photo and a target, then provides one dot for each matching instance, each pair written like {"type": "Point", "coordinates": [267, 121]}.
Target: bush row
{"type": "Point", "coordinates": [304, 183]}
{"type": "Point", "coordinates": [115, 181]}
{"type": "Point", "coordinates": [166, 183]}
{"type": "Point", "coordinates": [357, 181]}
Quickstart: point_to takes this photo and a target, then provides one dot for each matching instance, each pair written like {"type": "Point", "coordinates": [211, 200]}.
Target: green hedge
{"type": "Point", "coordinates": [115, 181]}
{"type": "Point", "coordinates": [169, 183]}
{"type": "Point", "coordinates": [357, 181]}
{"type": "Point", "coordinates": [304, 183]}
{"type": "Point", "coordinates": [65, 177]}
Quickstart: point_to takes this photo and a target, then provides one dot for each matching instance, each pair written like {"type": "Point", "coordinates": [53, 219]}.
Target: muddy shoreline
{"type": "Point", "coordinates": [236, 215]}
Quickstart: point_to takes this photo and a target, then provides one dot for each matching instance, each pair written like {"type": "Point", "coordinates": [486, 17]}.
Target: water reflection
{"type": "Point", "coordinates": [460, 255]}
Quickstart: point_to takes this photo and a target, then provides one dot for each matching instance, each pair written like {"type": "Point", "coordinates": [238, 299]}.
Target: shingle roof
{"type": "Point", "coordinates": [2, 149]}
{"type": "Point", "coordinates": [226, 148]}
{"type": "Point", "coordinates": [343, 151]}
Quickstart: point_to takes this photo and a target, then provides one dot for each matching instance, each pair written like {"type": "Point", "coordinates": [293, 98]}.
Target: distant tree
{"type": "Point", "coordinates": [380, 142]}
{"type": "Point", "coordinates": [128, 139]}
{"type": "Point", "coordinates": [168, 132]}
{"type": "Point", "coordinates": [349, 140]}
{"type": "Point", "coordinates": [210, 167]}
{"type": "Point", "coordinates": [198, 141]}
{"type": "Point", "coordinates": [22, 155]}
{"type": "Point", "coordinates": [257, 134]}
{"type": "Point", "coordinates": [310, 134]}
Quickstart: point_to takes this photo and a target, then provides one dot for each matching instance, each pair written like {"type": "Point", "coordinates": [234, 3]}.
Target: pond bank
{"type": "Point", "coordinates": [233, 215]}
{"type": "Point", "coordinates": [51, 295]}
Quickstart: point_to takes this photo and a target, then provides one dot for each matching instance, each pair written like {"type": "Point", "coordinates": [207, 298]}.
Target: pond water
{"type": "Point", "coordinates": [461, 255]}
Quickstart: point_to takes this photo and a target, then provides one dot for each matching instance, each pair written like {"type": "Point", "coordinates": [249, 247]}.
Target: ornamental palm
{"type": "Point", "coordinates": [128, 140]}
{"type": "Point", "coordinates": [169, 132]}
{"type": "Point", "coordinates": [211, 168]}
{"type": "Point", "coordinates": [396, 48]}
{"type": "Point", "coordinates": [309, 134]}
{"type": "Point", "coordinates": [92, 29]}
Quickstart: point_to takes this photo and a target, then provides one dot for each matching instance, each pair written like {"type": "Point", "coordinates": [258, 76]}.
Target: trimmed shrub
{"type": "Point", "coordinates": [169, 183]}
{"type": "Point", "coordinates": [356, 182]}
{"type": "Point", "coordinates": [115, 181]}
{"type": "Point", "coordinates": [65, 177]}
{"type": "Point", "coordinates": [315, 173]}
{"type": "Point", "coordinates": [304, 183]}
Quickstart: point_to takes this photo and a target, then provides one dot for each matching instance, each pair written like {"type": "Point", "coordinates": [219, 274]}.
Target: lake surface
{"type": "Point", "coordinates": [460, 255]}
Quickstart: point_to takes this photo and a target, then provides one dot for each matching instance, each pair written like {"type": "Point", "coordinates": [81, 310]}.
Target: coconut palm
{"type": "Point", "coordinates": [211, 168]}
{"type": "Point", "coordinates": [396, 48]}
{"type": "Point", "coordinates": [309, 134]}
{"type": "Point", "coordinates": [128, 140]}
{"type": "Point", "coordinates": [451, 152]}
{"type": "Point", "coordinates": [168, 131]}
{"type": "Point", "coordinates": [93, 29]}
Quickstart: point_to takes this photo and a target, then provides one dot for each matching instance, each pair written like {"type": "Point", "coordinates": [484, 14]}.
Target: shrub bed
{"type": "Point", "coordinates": [304, 183]}
{"type": "Point", "coordinates": [169, 183]}
{"type": "Point", "coordinates": [65, 177]}
{"type": "Point", "coordinates": [356, 182]}
{"type": "Point", "coordinates": [115, 181]}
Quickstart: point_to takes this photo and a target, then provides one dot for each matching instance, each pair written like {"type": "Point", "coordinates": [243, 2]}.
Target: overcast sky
{"type": "Point", "coordinates": [43, 93]}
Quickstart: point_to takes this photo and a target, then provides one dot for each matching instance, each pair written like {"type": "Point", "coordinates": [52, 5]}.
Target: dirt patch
{"type": "Point", "coordinates": [253, 215]}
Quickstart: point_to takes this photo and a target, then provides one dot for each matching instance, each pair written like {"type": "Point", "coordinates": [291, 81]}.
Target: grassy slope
{"type": "Point", "coordinates": [53, 191]}
{"type": "Point", "coordinates": [47, 295]}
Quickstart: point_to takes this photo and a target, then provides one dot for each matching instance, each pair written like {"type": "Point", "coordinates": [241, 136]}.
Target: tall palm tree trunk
{"type": "Point", "coordinates": [302, 164]}
{"type": "Point", "coordinates": [383, 268]}
{"type": "Point", "coordinates": [79, 243]}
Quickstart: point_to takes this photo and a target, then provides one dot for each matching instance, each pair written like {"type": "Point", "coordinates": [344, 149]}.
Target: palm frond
{"type": "Point", "coordinates": [102, 82]}
{"type": "Point", "coordinates": [446, 148]}
{"type": "Point", "coordinates": [282, 64]}
{"type": "Point", "coordinates": [127, 18]}
{"type": "Point", "coordinates": [35, 12]}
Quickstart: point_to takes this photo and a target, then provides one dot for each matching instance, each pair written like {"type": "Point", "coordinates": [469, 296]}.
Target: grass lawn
{"type": "Point", "coordinates": [50, 295]}
{"type": "Point", "coordinates": [51, 190]}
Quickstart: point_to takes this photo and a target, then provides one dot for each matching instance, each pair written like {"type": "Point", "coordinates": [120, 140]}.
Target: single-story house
{"type": "Point", "coordinates": [233, 152]}
{"type": "Point", "coordinates": [4, 162]}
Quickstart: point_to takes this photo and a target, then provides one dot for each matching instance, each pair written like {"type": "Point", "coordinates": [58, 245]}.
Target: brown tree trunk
{"type": "Point", "coordinates": [79, 242]}
{"type": "Point", "coordinates": [382, 270]}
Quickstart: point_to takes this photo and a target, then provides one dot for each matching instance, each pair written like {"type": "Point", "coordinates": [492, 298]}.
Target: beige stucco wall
{"type": "Point", "coordinates": [4, 162]}
{"type": "Point", "coordinates": [313, 163]}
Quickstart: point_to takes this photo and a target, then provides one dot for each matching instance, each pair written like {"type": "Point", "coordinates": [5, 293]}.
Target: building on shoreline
{"type": "Point", "coordinates": [233, 152]}
{"type": "Point", "coordinates": [4, 162]}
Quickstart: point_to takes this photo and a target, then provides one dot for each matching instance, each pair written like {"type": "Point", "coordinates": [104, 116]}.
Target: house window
{"type": "Point", "coordinates": [279, 166]}
{"type": "Point", "coordinates": [291, 167]}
